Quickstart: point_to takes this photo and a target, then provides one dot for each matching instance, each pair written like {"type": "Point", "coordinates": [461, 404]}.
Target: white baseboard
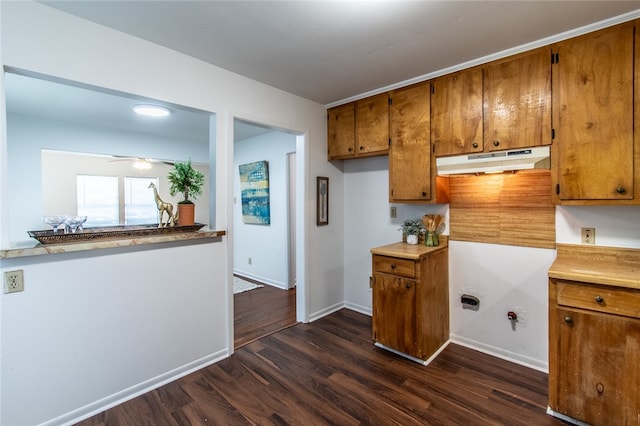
{"type": "Point", "coordinates": [358, 308]}
{"type": "Point", "coordinates": [566, 418]}
{"type": "Point", "coordinates": [134, 391]}
{"type": "Point", "coordinates": [414, 359]}
{"type": "Point", "coordinates": [273, 283]}
{"type": "Point", "coordinates": [325, 312]}
{"type": "Point", "coordinates": [500, 353]}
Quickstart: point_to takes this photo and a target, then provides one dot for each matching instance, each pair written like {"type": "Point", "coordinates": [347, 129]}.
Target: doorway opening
{"type": "Point", "coordinates": [265, 253]}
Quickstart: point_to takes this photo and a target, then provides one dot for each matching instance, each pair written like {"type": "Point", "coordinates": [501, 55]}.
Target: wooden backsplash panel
{"type": "Point", "coordinates": [508, 208]}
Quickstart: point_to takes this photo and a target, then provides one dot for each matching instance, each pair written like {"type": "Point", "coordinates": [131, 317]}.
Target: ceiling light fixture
{"type": "Point", "coordinates": [151, 110]}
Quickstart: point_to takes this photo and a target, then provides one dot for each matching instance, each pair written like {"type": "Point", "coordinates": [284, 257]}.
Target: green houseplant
{"type": "Point", "coordinates": [412, 228]}
{"type": "Point", "coordinates": [188, 181]}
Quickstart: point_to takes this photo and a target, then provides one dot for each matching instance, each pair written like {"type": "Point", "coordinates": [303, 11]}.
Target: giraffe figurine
{"type": "Point", "coordinates": [163, 207]}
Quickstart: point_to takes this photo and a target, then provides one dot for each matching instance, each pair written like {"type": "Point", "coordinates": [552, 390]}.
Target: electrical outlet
{"type": "Point", "coordinates": [588, 235]}
{"type": "Point", "coordinates": [13, 281]}
{"type": "Point", "coordinates": [393, 212]}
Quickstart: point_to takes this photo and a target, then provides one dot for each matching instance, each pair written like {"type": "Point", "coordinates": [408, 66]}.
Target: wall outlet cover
{"type": "Point", "coordinates": [588, 235]}
{"type": "Point", "coordinates": [13, 281]}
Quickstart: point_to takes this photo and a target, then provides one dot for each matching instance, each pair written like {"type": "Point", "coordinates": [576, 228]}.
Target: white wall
{"type": "Point", "coordinates": [504, 277]}
{"type": "Point", "coordinates": [266, 245]}
{"type": "Point", "coordinates": [122, 301]}
{"type": "Point", "coordinates": [368, 223]}
{"type": "Point", "coordinates": [93, 328]}
{"type": "Point", "coordinates": [615, 226]}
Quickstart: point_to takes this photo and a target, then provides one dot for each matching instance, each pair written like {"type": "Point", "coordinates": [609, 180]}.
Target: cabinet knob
{"type": "Point", "coordinates": [408, 285]}
{"type": "Point", "coordinates": [361, 148]}
{"type": "Point", "coordinates": [600, 387]}
{"type": "Point", "coordinates": [350, 149]}
{"type": "Point", "coordinates": [424, 194]}
{"type": "Point", "coordinates": [599, 299]}
{"type": "Point", "coordinates": [475, 144]}
{"type": "Point", "coordinates": [393, 266]}
{"type": "Point", "coordinates": [621, 190]}
{"type": "Point", "coordinates": [568, 320]}
{"type": "Point", "coordinates": [496, 143]}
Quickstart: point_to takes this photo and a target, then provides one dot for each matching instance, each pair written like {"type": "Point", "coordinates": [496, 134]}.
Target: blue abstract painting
{"type": "Point", "coordinates": [254, 191]}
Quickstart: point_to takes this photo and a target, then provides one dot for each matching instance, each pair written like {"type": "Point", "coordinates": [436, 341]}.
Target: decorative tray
{"type": "Point", "coordinates": [108, 233]}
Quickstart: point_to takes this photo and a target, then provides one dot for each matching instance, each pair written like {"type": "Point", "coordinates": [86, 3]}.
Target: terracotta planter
{"type": "Point", "coordinates": [186, 214]}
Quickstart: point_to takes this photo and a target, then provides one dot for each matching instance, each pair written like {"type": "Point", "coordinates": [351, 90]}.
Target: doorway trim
{"type": "Point", "coordinates": [291, 218]}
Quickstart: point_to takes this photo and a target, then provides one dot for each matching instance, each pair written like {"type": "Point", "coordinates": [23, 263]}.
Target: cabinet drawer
{"type": "Point", "coordinates": [394, 265]}
{"type": "Point", "coordinates": [612, 300]}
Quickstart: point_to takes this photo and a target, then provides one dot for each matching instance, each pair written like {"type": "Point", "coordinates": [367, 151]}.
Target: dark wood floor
{"type": "Point", "coordinates": [260, 312]}
{"type": "Point", "coordinates": [329, 373]}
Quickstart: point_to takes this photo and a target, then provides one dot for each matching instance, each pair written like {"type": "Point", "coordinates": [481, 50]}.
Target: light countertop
{"type": "Point", "coordinates": [409, 251]}
{"type": "Point", "coordinates": [597, 265]}
{"type": "Point", "coordinates": [37, 249]}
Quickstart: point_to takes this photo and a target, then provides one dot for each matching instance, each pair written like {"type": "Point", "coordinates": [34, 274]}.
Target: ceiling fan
{"type": "Point", "coordinates": [140, 163]}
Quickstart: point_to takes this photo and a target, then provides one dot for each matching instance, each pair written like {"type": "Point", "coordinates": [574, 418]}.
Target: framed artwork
{"type": "Point", "coordinates": [254, 192]}
{"type": "Point", "coordinates": [322, 205]}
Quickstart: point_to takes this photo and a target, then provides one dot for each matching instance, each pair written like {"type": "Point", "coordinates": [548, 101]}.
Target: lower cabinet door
{"type": "Point", "coordinates": [598, 368]}
{"type": "Point", "coordinates": [394, 313]}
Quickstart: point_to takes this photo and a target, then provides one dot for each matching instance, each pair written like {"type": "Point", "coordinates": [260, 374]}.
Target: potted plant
{"type": "Point", "coordinates": [188, 181]}
{"type": "Point", "coordinates": [412, 228]}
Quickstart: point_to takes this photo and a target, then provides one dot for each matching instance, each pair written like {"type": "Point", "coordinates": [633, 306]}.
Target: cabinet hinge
{"type": "Point", "coordinates": [433, 89]}
{"type": "Point", "coordinates": [389, 141]}
{"type": "Point", "coordinates": [557, 189]}
{"type": "Point", "coordinates": [433, 148]}
{"type": "Point", "coordinates": [390, 101]}
{"type": "Point", "coordinates": [553, 133]}
{"type": "Point", "coordinates": [555, 58]}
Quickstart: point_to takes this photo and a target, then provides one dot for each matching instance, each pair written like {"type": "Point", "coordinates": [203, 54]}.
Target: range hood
{"type": "Point", "coordinates": [493, 162]}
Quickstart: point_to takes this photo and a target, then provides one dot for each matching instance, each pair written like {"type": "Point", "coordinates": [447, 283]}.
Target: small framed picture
{"type": "Point", "coordinates": [322, 190]}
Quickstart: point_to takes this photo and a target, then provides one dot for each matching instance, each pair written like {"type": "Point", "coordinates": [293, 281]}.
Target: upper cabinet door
{"type": "Point", "coordinates": [456, 113]}
{"type": "Point", "coordinates": [341, 132]}
{"type": "Point", "coordinates": [372, 125]}
{"type": "Point", "coordinates": [410, 151]}
{"type": "Point", "coordinates": [517, 102]}
{"type": "Point", "coordinates": [593, 115]}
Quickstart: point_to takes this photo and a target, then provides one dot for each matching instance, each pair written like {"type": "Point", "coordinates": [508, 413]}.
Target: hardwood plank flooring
{"type": "Point", "coordinates": [260, 312]}
{"type": "Point", "coordinates": [329, 373]}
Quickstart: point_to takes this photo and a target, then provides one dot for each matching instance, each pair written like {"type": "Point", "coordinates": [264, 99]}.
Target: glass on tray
{"type": "Point", "coordinates": [55, 221]}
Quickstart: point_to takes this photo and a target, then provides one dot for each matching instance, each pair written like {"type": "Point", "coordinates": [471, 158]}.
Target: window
{"type": "Point", "coordinates": [104, 204]}
{"type": "Point", "coordinates": [139, 204]}
{"type": "Point", "coordinates": [98, 200]}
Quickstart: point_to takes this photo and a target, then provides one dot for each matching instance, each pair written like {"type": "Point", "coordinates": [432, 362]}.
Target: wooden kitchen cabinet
{"type": "Point", "coordinates": [412, 177]}
{"type": "Point", "coordinates": [505, 104]}
{"type": "Point", "coordinates": [517, 101]}
{"type": "Point", "coordinates": [596, 349]}
{"type": "Point", "coordinates": [372, 126]}
{"type": "Point", "coordinates": [456, 113]}
{"type": "Point", "coordinates": [594, 335]}
{"type": "Point", "coordinates": [411, 298]}
{"type": "Point", "coordinates": [593, 119]}
{"type": "Point", "coordinates": [341, 132]}
{"type": "Point", "coordinates": [359, 129]}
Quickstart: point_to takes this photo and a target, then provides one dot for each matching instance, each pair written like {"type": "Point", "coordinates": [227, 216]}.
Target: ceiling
{"type": "Point", "coordinates": [64, 101]}
{"type": "Point", "coordinates": [325, 51]}
{"type": "Point", "coordinates": [330, 51]}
